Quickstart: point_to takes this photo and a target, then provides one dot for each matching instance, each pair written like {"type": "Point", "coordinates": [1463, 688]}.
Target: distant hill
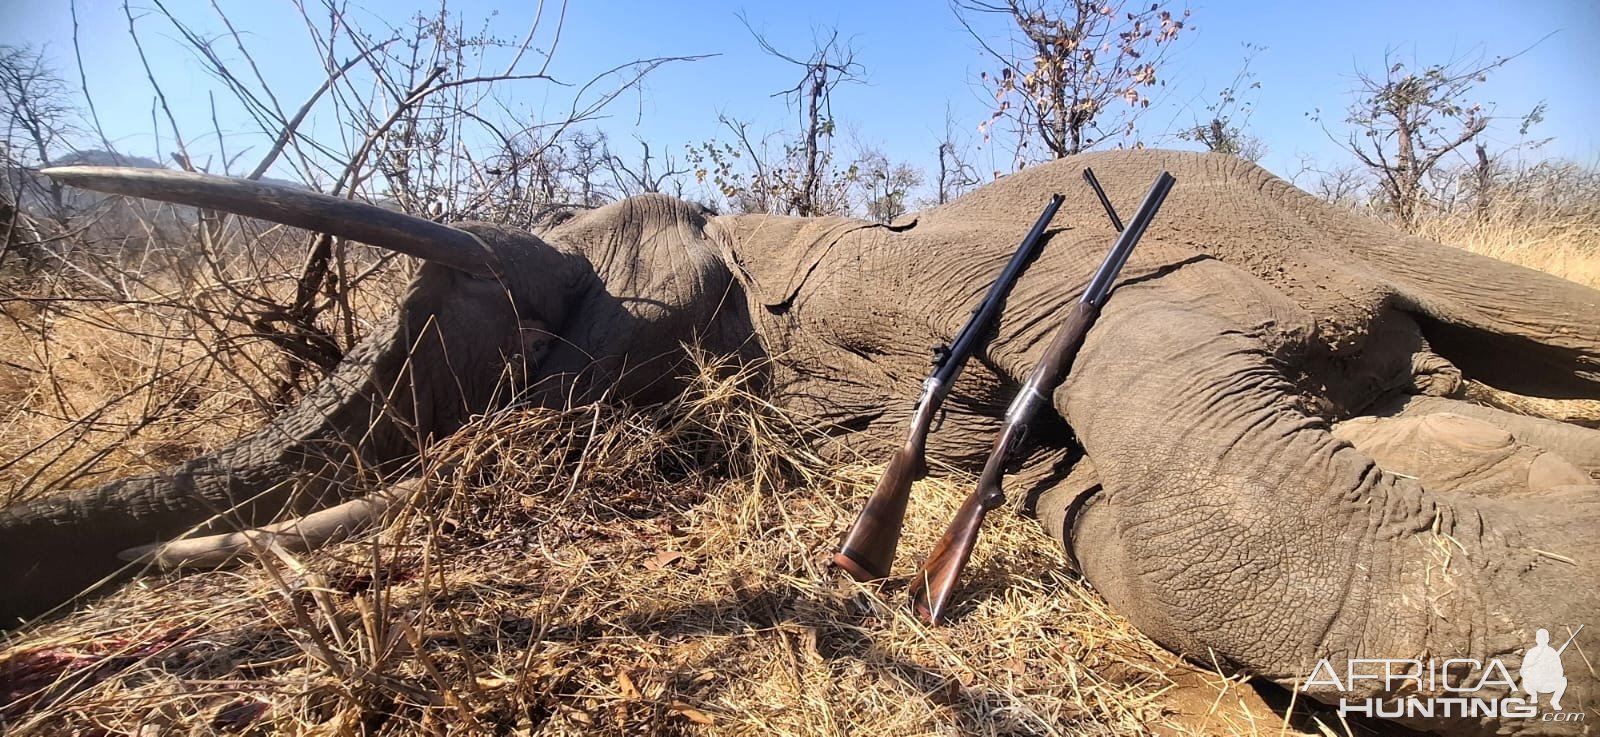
{"type": "Point", "coordinates": [37, 196]}
{"type": "Point", "coordinates": [106, 158]}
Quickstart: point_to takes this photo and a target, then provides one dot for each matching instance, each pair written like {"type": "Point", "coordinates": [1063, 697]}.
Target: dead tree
{"type": "Point", "coordinates": [1068, 63]}
{"type": "Point", "coordinates": [830, 64]}
{"type": "Point", "coordinates": [1405, 121]}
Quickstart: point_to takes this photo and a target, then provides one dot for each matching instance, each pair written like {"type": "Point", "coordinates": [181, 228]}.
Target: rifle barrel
{"type": "Point", "coordinates": [984, 315]}
{"type": "Point", "coordinates": [1105, 202]}
{"type": "Point", "coordinates": [1100, 286]}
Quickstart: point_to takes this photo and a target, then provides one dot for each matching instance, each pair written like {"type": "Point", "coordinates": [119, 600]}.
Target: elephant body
{"type": "Point", "coordinates": [1229, 502]}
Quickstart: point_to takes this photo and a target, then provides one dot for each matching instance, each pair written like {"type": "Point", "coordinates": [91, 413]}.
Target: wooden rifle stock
{"type": "Point", "coordinates": [867, 551]}
{"type": "Point", "coordinates": [934, 584]}
{"type": "Point", "coordinates": [868, 548]}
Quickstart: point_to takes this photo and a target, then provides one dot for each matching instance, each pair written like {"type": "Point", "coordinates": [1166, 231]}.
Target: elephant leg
{"type": "Point", "coordinates": [1452, 452]}
{"type": "Point", "coordinates": [1579, 445]}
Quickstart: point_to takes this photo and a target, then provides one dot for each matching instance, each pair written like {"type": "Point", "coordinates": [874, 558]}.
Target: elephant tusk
{"type": "Point", "coordinates": [287, 205]}
{"type": "Point", "coordinates": [302, 534]}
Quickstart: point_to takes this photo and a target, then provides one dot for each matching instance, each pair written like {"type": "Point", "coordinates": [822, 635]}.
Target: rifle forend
{"type": "Point", "coordinates": [868, 548]}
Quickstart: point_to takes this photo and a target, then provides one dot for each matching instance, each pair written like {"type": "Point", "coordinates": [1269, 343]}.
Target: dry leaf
{"type": "Point", "coordinates": [663, 559]}
{"type": "Point", "coordinates": [625, 685]}
{"type": "Point", "coordinates": [691, 713]}
{"type": "Point", "coordinates": [492, 682]}
{"type": "Point", "coordinates": [671, 558]}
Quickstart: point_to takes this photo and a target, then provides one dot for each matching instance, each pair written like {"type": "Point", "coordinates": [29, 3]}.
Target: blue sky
{"type": "Point", "coordinates": [919, 63]}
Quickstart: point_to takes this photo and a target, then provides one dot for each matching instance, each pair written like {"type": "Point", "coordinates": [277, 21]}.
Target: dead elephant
{"type": "Point", "coordinates": [1232, 500]}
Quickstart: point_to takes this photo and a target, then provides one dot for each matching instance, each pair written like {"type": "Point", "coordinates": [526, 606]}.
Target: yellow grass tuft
{"type": "Point", "coordinates": [1566, 244]}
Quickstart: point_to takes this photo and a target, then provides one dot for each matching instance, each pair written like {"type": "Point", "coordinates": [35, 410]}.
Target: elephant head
{"type": "Point", "coordinates": [492, 313]}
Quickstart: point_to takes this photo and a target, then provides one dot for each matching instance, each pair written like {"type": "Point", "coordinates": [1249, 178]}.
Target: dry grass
{"type": "Point", "coordinates": [1564, 242]}
{"type": "Point", "coordinates": [1566, 247]}
{"type": "Point", "coordinates": [94, 389]}
{"type": "Point", "coordinates": [141, 354]}
{"type": "Point", "coordinates": [1544, 216]}
{"type": "Point", "coordinates": [614, 571]}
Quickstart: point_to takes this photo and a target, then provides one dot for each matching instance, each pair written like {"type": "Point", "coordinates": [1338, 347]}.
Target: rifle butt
{"type": "Point", "coordinates": [934, 585]}
{"type": "Point", "coordinates": [867, 551]}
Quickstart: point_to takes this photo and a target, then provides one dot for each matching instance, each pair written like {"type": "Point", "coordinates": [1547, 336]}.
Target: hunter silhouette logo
{"type": "Point", "coordinates": [1541, 668]}
{"type": "Point", "coordinates": [1434, 688]}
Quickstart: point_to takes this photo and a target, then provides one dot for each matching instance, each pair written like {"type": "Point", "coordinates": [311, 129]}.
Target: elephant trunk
{"type": "Point", "coordinates": [62, 545]}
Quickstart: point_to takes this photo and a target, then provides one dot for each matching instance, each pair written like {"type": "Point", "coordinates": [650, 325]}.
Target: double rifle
{"type": "Point", "coordinates": [868, 548]}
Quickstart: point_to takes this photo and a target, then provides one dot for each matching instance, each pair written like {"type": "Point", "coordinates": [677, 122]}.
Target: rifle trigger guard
{"type": "Point", "coordinates": [1015, 458]}
{"type": "Point", "coordinates": [938, 419]}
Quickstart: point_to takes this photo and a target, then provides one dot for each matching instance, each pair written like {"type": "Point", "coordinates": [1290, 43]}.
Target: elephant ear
{"type": "Point", "coordinates": [776, 254]}
{"type": "Point", "coordinates": [656, 257]}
